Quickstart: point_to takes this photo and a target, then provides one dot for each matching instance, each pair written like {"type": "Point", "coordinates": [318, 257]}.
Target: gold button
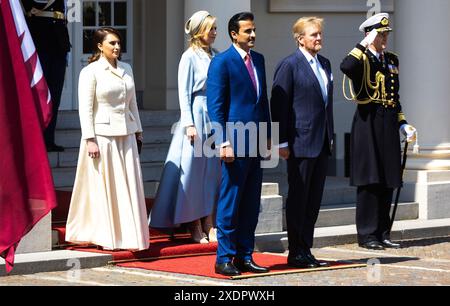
{"type": "Point", "coordinates": [393, 82]}
{"type": "Point", "coordinates": [392, 75]}
{"type": "Point", "coordinates": [392, 87]}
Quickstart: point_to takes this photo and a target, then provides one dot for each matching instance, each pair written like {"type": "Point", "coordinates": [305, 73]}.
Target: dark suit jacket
{"type": "Point", "coordinates": [298, 105]}
{"type": "Point", "coordinates": [231, 96]}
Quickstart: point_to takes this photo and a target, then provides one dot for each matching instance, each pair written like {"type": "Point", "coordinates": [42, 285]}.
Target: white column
{"type": "Point", "coordinates": [422, 42]}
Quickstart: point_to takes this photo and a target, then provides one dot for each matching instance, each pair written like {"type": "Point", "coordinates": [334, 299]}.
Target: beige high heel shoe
{"type": "Point", "coordinates": [208, 227]}
{"type": "Point", "coordinates": [195, 228]}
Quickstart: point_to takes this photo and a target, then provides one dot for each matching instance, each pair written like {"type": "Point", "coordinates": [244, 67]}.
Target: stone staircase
{"type": "Point", "coordinates": [157, 136]}
{"type": "Point", "coordinates": [338, 204]}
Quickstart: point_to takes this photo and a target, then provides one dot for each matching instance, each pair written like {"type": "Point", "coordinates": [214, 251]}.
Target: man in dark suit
{"type": "Point", "coordinates": [48, 27]}
{"type": "Point", "coordinates": [302, 103]}
{"type": "Point", "coordinates": [375, 140]}
{"type": "Point", "coordinates": [236, 92]}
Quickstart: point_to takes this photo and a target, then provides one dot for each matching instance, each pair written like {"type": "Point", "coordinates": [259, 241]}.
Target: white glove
{"type": "Point", "coordinates": [368, 40]}
{"type": "Point", "coordinates": [409, 132]}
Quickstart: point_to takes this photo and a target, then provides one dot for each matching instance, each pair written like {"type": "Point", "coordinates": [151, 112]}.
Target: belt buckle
{"type": "Point", "coordinates": [58, 15]}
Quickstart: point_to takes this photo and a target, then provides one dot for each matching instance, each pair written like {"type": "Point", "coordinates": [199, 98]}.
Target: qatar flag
{"type": "Point", "coordinates": [26, 185]}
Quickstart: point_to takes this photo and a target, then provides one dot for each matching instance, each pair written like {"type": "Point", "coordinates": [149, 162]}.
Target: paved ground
{"type": "Point", "coordinates": [422, 262]}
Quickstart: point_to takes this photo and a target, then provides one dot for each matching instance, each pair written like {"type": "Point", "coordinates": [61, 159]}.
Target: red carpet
{"type": "Point", "coordinates": [162, 243]}
{"type": "Point", "coordinates": [204, 266]}
{"type": "Point", "coordinates": [190, 258]}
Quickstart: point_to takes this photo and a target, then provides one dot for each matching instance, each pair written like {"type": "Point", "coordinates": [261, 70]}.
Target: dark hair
{"type": "Point", "coordinates": [98, 37]}
{"type": "Point", "coordinates": [233, 24]}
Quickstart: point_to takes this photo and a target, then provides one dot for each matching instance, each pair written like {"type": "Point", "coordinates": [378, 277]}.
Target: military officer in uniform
{"type": "Point", "coordinates": [375, 140]}
{"type": "Point", "coordinates": [48, 26]}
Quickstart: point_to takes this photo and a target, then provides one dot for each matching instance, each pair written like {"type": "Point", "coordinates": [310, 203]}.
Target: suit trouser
{"type": "Point", "coordinates": [306, 177]}
{"type": "Point", "coordinates": [238, 209]}
{"type": "Point", "coordinates": [54, 68]}
{"type": "Point", "coordinates": [372, 212]}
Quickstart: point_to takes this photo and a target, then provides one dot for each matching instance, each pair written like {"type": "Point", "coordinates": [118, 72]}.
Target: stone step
{"type": "Point", "coordinates": [337, 190]}
{"type": "Point", "coordinates": [155, 135]}
{"type": "Point", "coordinates": [69, 158]}
{"type": "Point", "coordinates": [338, 215]}
{"type": "Point", "coordinates": [270, 218]}
{"type": "Point", "coordinates": [344, 214]}
{"type": "Point", "coordinates": [268, 189]}
{"type": "Point", "coordinates": [64, 177]}
{"type": "Point", "coordinates": [69, 120]}
{"type": "Point", "coordinates": [337, 235]}
{"type": "Point", "coordinates": [55, 261]}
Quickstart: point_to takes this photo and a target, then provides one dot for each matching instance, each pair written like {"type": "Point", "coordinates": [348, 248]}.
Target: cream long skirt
{"type": "Point", "coordinates": [108, 203]}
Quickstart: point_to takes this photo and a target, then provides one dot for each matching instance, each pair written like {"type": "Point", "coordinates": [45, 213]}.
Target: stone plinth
{"type": "Point", "coordinates": [39, 239]}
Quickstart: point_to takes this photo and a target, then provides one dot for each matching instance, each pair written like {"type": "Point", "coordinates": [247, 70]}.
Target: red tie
{"type": "Point", "coordinates": [248, 64]}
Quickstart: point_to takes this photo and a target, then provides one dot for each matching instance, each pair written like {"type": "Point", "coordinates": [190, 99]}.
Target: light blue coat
{"type": "Point", "coordinates": [189, 184]}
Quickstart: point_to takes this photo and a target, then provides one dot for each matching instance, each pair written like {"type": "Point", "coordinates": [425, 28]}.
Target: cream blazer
{"type": "Point", "coordinates": [107, 100]}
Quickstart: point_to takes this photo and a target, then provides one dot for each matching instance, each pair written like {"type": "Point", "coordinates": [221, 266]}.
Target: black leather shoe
{"type": "Point", "coordinates": [249, 266]}
{"type": "Point", "coordinates": [302, 261]}
{"type": "Point", "coordinates": [227, 269]}
{"type": "Point", "coordinates": [54, 148]}
{"type": "Point", "coordinates": [319, 264]}
{"type": "Point", "coordinates": [372, 245]}
{"type": "Point", "coordinates": [389, 244]}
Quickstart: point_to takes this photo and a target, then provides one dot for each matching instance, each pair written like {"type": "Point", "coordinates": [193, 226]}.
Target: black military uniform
{"type": "Point", "coordinates": [48, 26]}
{"type": "Point", "coordinates": [375, 141]}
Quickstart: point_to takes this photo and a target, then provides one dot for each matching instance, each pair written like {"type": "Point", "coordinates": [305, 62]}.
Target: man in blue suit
{"type": "Point", "coordinates": [237, 93]}
{"type": "Point", "coordinates": [302, 102]}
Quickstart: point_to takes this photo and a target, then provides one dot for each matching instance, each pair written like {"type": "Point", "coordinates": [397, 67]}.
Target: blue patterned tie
{"type": "Point", "coordinates": [316, 69]}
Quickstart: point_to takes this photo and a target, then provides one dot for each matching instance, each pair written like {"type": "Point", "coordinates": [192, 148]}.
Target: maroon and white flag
{"type": "Point", "coordinates": [26, 185]}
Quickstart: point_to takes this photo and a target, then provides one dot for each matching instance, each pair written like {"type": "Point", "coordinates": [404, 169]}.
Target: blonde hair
{"type": "Point", "coordinates": [207, 24]}
{"type": "Point", "coordinates": [298, 29]}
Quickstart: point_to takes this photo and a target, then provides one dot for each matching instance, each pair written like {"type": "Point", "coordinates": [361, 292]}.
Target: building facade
{"type": "Point", "coordinates": [155, 40]}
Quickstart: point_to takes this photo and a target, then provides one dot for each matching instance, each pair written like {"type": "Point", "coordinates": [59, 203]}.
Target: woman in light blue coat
{"type": "Point", "coordinates": [189, 184]}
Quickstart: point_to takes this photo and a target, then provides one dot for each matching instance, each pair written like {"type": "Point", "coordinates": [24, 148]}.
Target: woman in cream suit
{"type": "Point", "coordinates": [189, 185]}
{"type": "Point", "coordinates": [108, 204]}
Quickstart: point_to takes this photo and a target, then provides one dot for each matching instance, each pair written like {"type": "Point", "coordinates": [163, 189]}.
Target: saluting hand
{"type": "Point", "coordinates": [369, 39]}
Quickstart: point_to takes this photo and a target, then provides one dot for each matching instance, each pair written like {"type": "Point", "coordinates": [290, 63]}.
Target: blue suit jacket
{"type": "Point", "coordinates": [298, 105]}
{"type": "Point", "coordinates": [231, 96]}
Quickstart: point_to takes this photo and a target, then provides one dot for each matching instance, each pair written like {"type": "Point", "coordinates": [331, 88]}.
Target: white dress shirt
{"type": "Point", "coordinates": [243, 54]}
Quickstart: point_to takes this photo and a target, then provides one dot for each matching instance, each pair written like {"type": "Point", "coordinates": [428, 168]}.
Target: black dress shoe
{"type": "Point", "coordinates": [387, 243]}
{"type": "Point", "coordinates": [227, 269]}
{"type": "Point", "coordinates": [372, 245]}
{"type": "Point", "coordinates": [54, 148]}
{"type": "Point", "coordinates": [302, 261]}
{"type": "Point", "coordinates": [319, 264]}
{"type": "Point", "coordinates": [249, 266]}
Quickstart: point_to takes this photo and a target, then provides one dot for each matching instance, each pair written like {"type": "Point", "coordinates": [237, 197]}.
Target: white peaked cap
{"type": "Point", "coordinates": [379, 21]}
